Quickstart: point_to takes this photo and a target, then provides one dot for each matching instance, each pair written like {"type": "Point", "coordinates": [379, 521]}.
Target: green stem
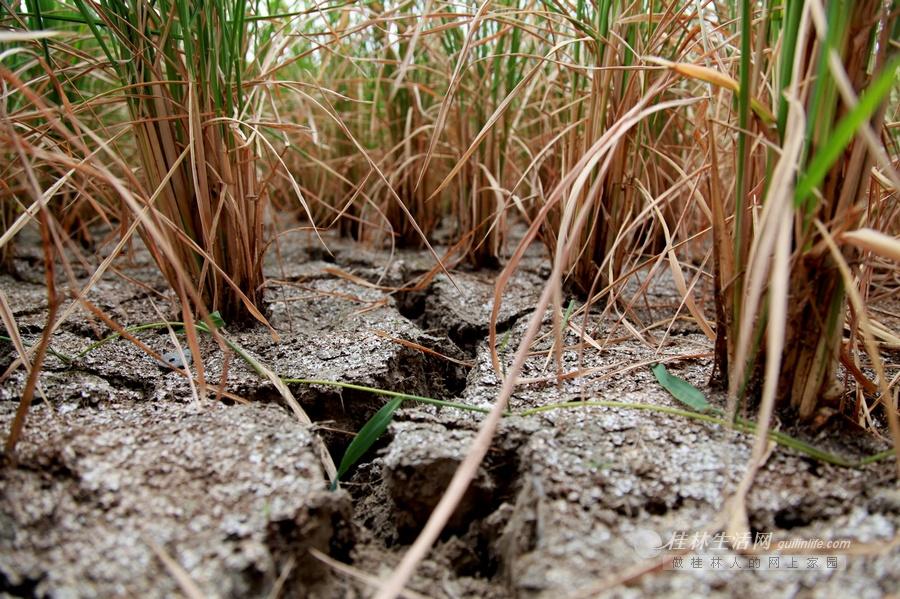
{"type": "Point", "coordinates": [744, 426]}
{"type": "Point", "coordinates": [50, 351]}
{"type": "Point", "coordinates": [386, 393]}
{"type": "Point", "coordinates": [133, 329]}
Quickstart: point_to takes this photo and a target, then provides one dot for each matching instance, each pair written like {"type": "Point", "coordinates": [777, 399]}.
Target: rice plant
{"type": "Point", "coordinates": [828, 91]}
{"type": "Point", "coordinates": [181, 69]}
{"type": "Point", "coordinates": [747, 149]}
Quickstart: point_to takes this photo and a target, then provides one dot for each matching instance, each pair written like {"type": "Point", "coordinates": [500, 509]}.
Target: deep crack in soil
{"type": "Point", "coordinates": [235, 494]}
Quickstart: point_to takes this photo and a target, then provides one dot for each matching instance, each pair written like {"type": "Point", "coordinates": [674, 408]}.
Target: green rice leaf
{"type": "Point", "coordinates": [216, 319]}
{"type": "Point", "coordinates": [846, 128]}
{"type": "Point", "coordinates": [681, 390]}
{"type": "Point", "coordinates": [367, 435]}
{"type": "Point", "coordinates": [568, 314]}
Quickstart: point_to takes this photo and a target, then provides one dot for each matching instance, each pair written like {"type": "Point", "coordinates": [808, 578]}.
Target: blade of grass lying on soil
{"type": "Point", "coordinates": [681, 390]}
{"type": "Point", "coordinates": [182, 361]}
{"type": "Point", "coordinates": [377, 424]}
{"type": "Point", "coordinates": [744, 426]}
{"type": "Point", "coordinates": [379, 421]}
{"type": "Point", "coordinates": [388, 393]}
{"type": "Point", "coordinates": [215, 318]}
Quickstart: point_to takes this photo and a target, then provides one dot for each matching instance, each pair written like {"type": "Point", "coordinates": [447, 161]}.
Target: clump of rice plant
{"type": "Point", "coordinates": [184, 69]}
{"type": "Point", "coordinates": [783, 282]}
{"type": "Point", "coordinates": [413, 101]}
{"type": "Point", "coordinates": [403, 105]}
{"type": "Point", "coordinates": [431, 92]}
{"type": "Point", "coordinates": [610, 189]}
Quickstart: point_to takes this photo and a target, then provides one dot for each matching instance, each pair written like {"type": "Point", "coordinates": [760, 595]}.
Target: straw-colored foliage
{"type": "Point", "coordinates": [747, 151]}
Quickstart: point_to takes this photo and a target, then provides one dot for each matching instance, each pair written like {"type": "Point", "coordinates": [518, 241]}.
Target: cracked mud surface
{"type": "Point", "coordinates": [121, 465]}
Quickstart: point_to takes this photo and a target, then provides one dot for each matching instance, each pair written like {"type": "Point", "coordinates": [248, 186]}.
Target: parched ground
{"type": "Point", "coordinates": [125, 481]}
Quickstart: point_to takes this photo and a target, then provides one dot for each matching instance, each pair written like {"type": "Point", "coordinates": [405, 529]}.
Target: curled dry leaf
{"type": "Point", "coordinates": [875, 242]}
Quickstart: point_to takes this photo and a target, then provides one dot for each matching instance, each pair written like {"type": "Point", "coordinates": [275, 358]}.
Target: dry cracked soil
{"type": "Point", "coordinates": [124, 480]}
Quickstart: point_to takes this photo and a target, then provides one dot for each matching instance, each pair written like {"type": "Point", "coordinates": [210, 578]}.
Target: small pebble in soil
{"type": "Point", "coordinates": [173, 359]}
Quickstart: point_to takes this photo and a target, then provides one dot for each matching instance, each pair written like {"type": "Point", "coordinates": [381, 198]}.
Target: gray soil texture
{"type": "Point", "coordinates": [129, 483]}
